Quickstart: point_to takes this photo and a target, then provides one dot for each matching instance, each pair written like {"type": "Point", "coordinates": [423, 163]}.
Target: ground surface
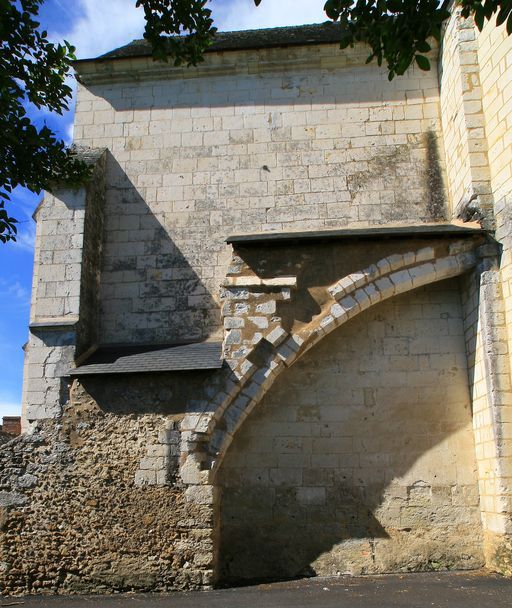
{"type": "Point", "coordinates": [453, 590]}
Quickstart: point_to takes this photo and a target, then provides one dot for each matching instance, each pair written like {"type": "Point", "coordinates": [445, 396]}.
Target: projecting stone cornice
{"type": "Point", "coordinates": [249, 62]}
{"type": "Point", "coordinates": [221, 63]}
{"type": "Point", "coordinates": [405, 231]}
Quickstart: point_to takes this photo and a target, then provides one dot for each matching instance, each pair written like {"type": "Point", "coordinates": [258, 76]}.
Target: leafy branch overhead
{"type": "Point", "coordinates": [398, 31]}
{"type": "Point", "coordinates": [166, 21]}
{"type": "Point", "coordinates": [34, 70]}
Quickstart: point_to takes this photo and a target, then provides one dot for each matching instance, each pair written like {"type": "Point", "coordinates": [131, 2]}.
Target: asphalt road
{"type": "Point", "coordinates": [453, 590]}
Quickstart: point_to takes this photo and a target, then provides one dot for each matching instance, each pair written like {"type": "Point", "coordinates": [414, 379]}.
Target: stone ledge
{"type": "Point", "coordinates": [254, 281]}
{"type": "Point", "coordinates": [53, 323]}
{"type": "Point", "coordinates": [414, 231]}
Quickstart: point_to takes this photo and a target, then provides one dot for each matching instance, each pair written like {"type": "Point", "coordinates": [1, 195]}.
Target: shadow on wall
{"type": "Point", "coordinates": [209, 129]}
{"type": "Point", "coordinates": [470, 298]}
{"type": "Point", "coordinates": [150, 293]}
{"type": "Point", "coordinates": [298, 534]}
{"type": "Point", "coordinates": [165, 393]}
{"type": "Point", "coordinates": [361, 458]}
{"type": "Point", "coordinates": [323, 87]}
{"type": "Point", "coordinates": [338, 259]}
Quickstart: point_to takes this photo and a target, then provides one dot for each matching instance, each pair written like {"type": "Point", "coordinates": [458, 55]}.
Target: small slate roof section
{"type": "Point", "coordinates": [320, 33]}
{"type": "Point", "coordinates": [137, 360]}
{"type": "Point", "coordinates": [400, 232]}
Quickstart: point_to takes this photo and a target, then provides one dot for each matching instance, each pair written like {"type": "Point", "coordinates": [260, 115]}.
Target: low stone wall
{"type": "Point", "coordinates": [72, 519]}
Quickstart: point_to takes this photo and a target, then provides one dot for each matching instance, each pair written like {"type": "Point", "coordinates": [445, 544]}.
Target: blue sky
{"type": "Point", "coordinates": [95, 27]}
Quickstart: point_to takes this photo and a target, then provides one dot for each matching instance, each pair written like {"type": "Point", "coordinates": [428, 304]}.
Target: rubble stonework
{"type": "Point", "coordinates": [69, 491]}
{"type": "Point", "coordinates": [332, 232]}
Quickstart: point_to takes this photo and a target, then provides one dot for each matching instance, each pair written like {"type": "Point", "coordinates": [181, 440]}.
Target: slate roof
{"type": "Point", "coordinates": [421, 231]}
{"type": "Point", "coordinates": [158, 358]}
{"type": "Point", "coordinates": [320, 33]}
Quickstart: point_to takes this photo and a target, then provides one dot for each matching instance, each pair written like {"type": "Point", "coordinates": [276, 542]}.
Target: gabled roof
{"type": "Point", "coordinates": [320, 33]}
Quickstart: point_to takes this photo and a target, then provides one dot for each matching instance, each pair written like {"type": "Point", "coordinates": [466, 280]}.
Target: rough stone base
{"type": "Point", "coordinates": [72, 520]}
{"type": "Point", "coordinates": [498, 551]}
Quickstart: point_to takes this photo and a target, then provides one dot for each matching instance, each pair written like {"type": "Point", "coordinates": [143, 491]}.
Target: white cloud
{"type": "Point", "coordinates": [26, 238]}
{"type": "Point", "coordinates": [16, 291]}
{"type": "Point", "coordinates": [243, 14]}
{"type": "Point", "coordinates": [104, 26]}
{"type": "Point", "coordinates": [69, 133]}
{"type": "Point", "coordinates": [23, 205]}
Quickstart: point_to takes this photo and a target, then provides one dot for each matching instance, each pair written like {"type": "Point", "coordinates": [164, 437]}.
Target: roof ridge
{"type": "Point", "coordinates": [291, 35]}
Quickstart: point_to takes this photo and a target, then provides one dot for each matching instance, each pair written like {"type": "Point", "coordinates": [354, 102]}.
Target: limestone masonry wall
{"type": "Point", "coordinates": [361, 458]}
{"type": "Point", "coordinates": [361, 417]}
{"type": "Point", "coordinates": [495, 58]}
{"type": "Point", "coordinates": [452, 116]}
{"type": "Point", "coordinates": [464, 136]}
{"type": "Point", "coordinates": [65, 291]}
{"type": "Point", "coordinates": [195, 159]}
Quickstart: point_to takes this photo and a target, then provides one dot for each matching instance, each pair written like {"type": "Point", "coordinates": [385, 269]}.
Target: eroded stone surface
{"type": "Point", "coordinates": [117, 491]}
{"type": "Point", "coordinates": [83, 525]}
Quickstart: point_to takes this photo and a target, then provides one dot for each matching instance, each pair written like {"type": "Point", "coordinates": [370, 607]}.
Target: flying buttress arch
{"type": "Point", "coordinates": [213, 431]}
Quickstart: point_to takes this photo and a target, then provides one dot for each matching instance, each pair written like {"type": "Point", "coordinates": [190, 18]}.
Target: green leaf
{"type": "Point", "coordinates": [423, 62]}
{"type": "Point", "coordinates": [479, 17]}
{"type": "Point", "coordinates": [394, 5]}
{"type": "Point", "coordinates": [332, 9]}
{"type": "Point", "coordinates": [423, 46]}
{"type": "Point", "coordinates": [345, 40]}
{"type": "Point", "coordinates": [501, 18]}
{"type": "Point", "coordinates": [489, 8]}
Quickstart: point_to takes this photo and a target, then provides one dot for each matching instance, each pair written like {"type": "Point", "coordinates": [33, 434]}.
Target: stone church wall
{"type": "Point", "coordinates": [476, 118]}
{"type": "Point", "coordinates": [371, 465]}
{"type": "Point", "coordinates": [495, 59]}
{"type": "Point", "coordinates": [239, 145]}
{"type": "Point", "coordinates": [361, 457]}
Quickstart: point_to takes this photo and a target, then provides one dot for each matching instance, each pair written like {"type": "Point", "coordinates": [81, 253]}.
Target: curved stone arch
{"type": "Point", "coordinates": [351, 295]}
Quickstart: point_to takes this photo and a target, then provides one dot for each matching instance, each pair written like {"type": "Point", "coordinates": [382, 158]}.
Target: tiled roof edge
{"type": "Point", "coordinates": [320, 33]}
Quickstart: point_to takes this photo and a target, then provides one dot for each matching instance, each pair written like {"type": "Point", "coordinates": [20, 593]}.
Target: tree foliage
{"type": "Point", "coordinates": [166, 21]}
{"type": "Point", "coordinates": [34, 70]}
{"type": "Point", "coordinates": [399, 31]}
